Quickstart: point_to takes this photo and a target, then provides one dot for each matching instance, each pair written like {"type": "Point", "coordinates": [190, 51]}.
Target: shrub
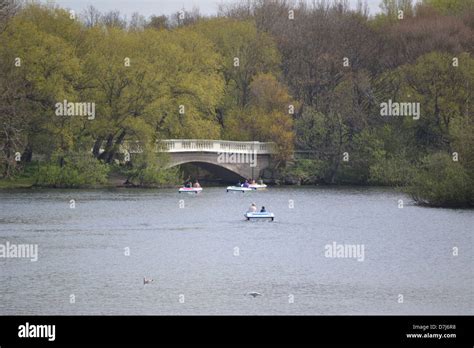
{"type": "Point", "coordinates": [149, 170]}
{"type": "Point", "coordinates": [442, 182]}
{"type": "Point", "coordinates": [304, 171]}
{"type": "Point", "coordinates": [391, 171]}
{"type": "Point", "coordinates": [71, 170]}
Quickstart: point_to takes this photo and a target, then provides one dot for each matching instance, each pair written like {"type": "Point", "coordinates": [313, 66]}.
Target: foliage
{"type": "Point", "coordinates": [440, 181]}
{"type": "Point", "coordinates": [391, 171]}
{"type": "Point", "coordinates": [450, 6]}
{"type": "Point", "coordinates": [266, 117]}
{"type": "Point", "coordinates": [149, 170]}
{"type": "Point", "coordinates": [304, 171]}
{"type": "Point", "coordinates": [71, 170]}
{"type": "Point", "coordinates": [237, 76]}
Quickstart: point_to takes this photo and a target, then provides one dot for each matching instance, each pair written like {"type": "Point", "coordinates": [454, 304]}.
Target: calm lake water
{"type": "Point", "coordinates": [204, 258]}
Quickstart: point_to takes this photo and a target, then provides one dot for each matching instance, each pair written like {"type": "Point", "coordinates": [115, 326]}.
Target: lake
{"type": "Point", "coordinates": [205, 258]}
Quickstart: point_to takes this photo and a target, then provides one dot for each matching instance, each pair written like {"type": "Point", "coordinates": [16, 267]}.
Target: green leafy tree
{"type": "Point", "coordinates": [444, 92]}
{"type": "Point", "coordinates": [450, 6]}
{"type": "Point", "coordinates": [266, 117]}
{"type": "Point", "coordinates": [170, 86]}
{"type": "Point", "coordinates": [440, 181]}
{"type": "Point", "coordinates": [245, 53]}
{"type": "Point", "coordinates": [40, 70]}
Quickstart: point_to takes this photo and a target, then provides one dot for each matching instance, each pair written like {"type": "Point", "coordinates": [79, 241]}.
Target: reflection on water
{"type": "Point", "coordinates": [210, 258]}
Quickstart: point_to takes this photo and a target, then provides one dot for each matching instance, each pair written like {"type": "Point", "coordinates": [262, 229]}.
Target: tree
{"type": "Point", "coordinates": [113, 19]}
{"type": "Point", "coordinates": [442, 182]}
{"type": "Point", "coordinates": [443, 91]}
{"type": "Point", "coordinates": [158, 22]}
{"type": "Point", "coordinates": [137, 22]}
{"type": "Point", "coordinates": [41, 71]}
{"type": "Point", "coordinates": [245, 52]}
{"type": "Point", "coordinates": [91, 16]}
{"type": "Point", "coordinates": [390, 8]}
{"type": "Point", "coordinates": [151, 85]}
{"type": "Point", "coordinates": [318, 46]}
{"type": "Point", "coordinates": [407, 40]}
{"type": "Point", "coordinates": [450, 7]}
{"type": "Point", "coordinates": [266, 117]}
{"type": "Point", "coordinates": [8, 8]}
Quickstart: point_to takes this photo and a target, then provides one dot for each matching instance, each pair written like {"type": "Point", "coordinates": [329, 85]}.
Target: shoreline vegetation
{"type": "Point", "coordinates": [348, 98]}
{"type": "Point", "coordinates": [445, 195]}
{"type": "Point", "coordinates": [292, 175]}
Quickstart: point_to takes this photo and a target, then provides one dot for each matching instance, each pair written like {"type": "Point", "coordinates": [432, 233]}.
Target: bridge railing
{"type": "Point", "coordinates": [203, 145]}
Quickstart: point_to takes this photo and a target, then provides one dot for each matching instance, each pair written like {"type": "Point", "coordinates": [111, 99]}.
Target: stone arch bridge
{"type": "Point", "coordinates": [245, 159]}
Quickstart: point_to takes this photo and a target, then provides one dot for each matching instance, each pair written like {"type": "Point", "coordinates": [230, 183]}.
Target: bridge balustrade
{"type": "Point", "coordinates": [199, 145]}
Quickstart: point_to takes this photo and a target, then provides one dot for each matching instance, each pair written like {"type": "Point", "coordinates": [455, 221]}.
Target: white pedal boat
{"type": "Point", "coordinates": [190, 189]}
{"type": "Point", "coordinates": [258, 215]}
{"type": "Point", "coordinates": [238, 189]}
{"type": "Point", "coordinates": [258, 186]}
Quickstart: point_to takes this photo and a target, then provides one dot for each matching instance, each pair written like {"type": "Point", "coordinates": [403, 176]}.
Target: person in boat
{"type": "Point", "coordinates": [253, 208]}
{"type": "Point", "coordinates": [253, 182]}
{"type": "Point", "coordinates": [188, 182]}
{"type": "Point", "coordinates": [246, 184]}
{"type": "Point", "coordinates": [263, 209]}
{"type": "Point", "coordinates": [196, 184]}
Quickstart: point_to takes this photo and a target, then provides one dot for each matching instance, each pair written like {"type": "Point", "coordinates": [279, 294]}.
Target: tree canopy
{"type": "Point", "coordinates": [310, 77]}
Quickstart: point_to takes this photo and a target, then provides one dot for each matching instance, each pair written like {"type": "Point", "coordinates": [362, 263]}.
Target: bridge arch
{"type": "Point", "coordinates": [209, 170]}
{"type": "Point", "coordinates": [211, 162]}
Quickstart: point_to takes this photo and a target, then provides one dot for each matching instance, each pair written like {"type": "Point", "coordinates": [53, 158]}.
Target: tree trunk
{"type": "Point", "coordinates": [97, 145]}
{"type": "Point", "coordinates": [9, 163]}
{"type": "Point", "coordinates": [108, 147]}
{"type": "Point", "coordinates": [120, 138]}
{"type": "Point", "coordinates": [111, 154]}
{"type": "Point", "coordinates": [335, 167]}
{"type": "Point", "coordinates": [27, 153]}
